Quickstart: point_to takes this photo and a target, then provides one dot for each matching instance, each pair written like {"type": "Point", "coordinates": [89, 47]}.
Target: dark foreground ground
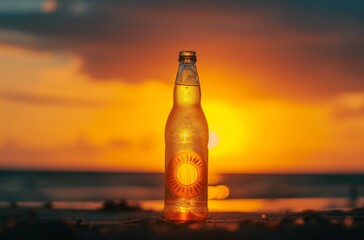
{"type": "Point", "coordinates": [48, 223]}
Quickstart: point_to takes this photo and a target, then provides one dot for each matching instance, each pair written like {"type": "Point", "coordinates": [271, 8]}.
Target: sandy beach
{"type": "Point", "coordinates": [48, 223]}
{"type": "Point", "coordinates": [71, 205]}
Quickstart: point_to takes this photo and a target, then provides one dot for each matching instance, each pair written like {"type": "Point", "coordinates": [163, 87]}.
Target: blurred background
{"type": "Point", "coordinates": [86, 87]}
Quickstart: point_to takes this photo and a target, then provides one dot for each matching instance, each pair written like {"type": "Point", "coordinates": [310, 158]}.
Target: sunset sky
{"type": "Point", "coordinates": [87, 85]}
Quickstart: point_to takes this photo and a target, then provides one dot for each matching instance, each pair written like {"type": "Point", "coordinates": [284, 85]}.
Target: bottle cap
{"type": "Point", "coordinates": [187, 56]}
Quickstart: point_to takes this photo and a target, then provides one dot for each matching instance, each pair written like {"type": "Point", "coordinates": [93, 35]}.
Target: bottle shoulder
{"type": "Point", "coordinates": [179, 113]}
{"type": "Point", "coordinates": [186, 118]}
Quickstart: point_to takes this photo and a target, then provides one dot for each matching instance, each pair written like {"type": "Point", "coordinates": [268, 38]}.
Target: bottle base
{"type": "Point", "coordinates": [186, 216]}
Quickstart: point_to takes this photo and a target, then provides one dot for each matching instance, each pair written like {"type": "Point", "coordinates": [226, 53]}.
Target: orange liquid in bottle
{"type": "Point", "coordinates": [186, 153]}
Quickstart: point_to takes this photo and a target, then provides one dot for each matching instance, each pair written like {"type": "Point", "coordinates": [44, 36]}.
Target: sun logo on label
{"type": "Point", "coordinates": [186, 174]}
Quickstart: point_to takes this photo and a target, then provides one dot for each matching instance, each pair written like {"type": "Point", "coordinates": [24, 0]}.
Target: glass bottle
{"type": "Point", "coordinates": [186, 153]}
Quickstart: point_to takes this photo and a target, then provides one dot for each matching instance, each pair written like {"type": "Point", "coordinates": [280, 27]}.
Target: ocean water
{"type": "Point", "coordinates": [242, 192]}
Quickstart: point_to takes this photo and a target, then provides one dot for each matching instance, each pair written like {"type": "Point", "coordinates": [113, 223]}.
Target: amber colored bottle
{"type": "Point", "coordinates": [186, 154]}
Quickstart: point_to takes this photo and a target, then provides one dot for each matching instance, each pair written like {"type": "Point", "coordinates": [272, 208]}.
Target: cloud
{"type": "Point", "coordinates": [349, 112]}
{"type": "Point", "coordinates": [349, 106]}
{"type": "Point", "coordinates": [312, 48]}
{"type": "Point", "coordinates": [74, 154]}
{"type": "Point", "coordinates": [53, 100]}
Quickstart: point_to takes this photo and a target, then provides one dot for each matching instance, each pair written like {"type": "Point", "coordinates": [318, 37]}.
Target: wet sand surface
{"type": "Point", "coordinates": [43, 223]}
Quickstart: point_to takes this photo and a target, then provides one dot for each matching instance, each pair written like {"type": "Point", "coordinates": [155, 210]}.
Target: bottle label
{"type": "Point", "coordinates": [186, 174]}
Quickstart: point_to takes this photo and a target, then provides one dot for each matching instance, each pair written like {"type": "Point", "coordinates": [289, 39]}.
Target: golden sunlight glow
{"type": "Point", "coordinates": [257, 205]}
{"type": "Point", "coordinates": [185, 134]}
{"type": "Point", "coordinates": [74, 122]}
{"type": "Point", "coordinates": [228, 124]}
{"type": "Point", "coordinates": [213, 140]}
{"type": "Point", "coordinates": [187, 174]}
{"type": "Point", "coordinates": [183, 213]}
{"type": "Point", "coordinates": [219, 192]}
{"type": "Point", "coordinates": [49, 6]}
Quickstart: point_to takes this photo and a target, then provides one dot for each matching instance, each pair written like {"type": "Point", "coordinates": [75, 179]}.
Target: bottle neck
{"type": "Point", "coordinates": [187, 87]}
{"type": "Point", "coordinates": [187, 73]}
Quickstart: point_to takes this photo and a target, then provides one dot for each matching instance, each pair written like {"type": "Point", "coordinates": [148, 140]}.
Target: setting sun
{"type": "Point", "coordinates": [213, 140]}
